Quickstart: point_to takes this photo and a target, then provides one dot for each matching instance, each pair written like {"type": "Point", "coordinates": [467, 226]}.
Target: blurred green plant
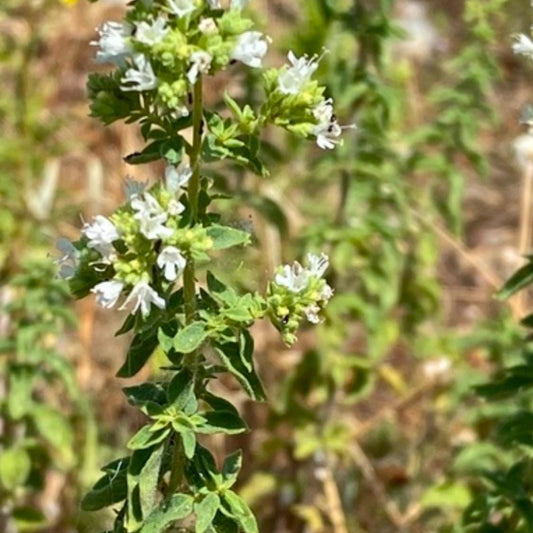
{"type": "Point", "coordinates": [397, 183]}
{"type": "Point", "coordinates": [47, 431]}
{"type": "Point", "coordinates": [44, 417]}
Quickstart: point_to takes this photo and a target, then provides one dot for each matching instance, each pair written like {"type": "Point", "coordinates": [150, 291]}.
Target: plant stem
{"type": "Point", "coordinates": [189, 282]}
{"type": "Point", "coordinates": [176, 471]}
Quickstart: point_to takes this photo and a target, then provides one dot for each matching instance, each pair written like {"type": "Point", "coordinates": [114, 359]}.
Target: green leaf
{"type": "Point", "coordinates": [109, 489]}
{"type": "Point", "coordinates": [145, 393]}
{"type": "Point", "coordinates": [28, 518]}
{"type": "Point", "coordinates": [142, 347]}
{"type": "Point", "coordinates": [172, 150]}
{"type": "Point", "coordinates": [145, 438]}
{"type": "Point", "coordinates": [205, 511]}
{"type": "Point", "coordinates": [177, 507]}
{"type": "Point", "coordinates": [232, 355]}
{"type": "Point", "coordinates": [19, 400]}
{"type": "Point", "coordinates": [56, 429]}
{"type": "Point", "coordinates": [521, 279]}
{"type": "Point", "coordinates": [181, 392]}
{"type": "Point", "coordinates": [223, 524]}
{"type": "Point", "coordinates": [151, 153]}
{"type": "Point", "coordinates": [222, 422]}
{"type": "Point", "coordinates": [15, 466]}
{"type": "Point", "coordinates": [240, 512]}
{"type": "Point", "coordinates": [190, 337]}
{"type": "Point", "coordinates": [232, 467]}
{"type": "Point", "coordinates": [143, 479]}
{"type": "Point", "coordinates": [189, 443]}
{"type": "Point", "coordinates": [108, 101]}
{"type": "Point", "coordinates": [225, 237]}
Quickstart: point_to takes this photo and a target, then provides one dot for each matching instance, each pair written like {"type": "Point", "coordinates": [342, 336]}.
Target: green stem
{"type": "Point", "coordinates": [189, 282]}
{"type": "Point", "coordinates": [176, 471]}
{"type": "Point", "coordinates": [189, 278]}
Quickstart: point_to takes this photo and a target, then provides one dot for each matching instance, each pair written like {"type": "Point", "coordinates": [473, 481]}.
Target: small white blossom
{"type": "Point", "coordinates": [151, 217]}
{"type": "Point", "coordinates": [107, 293]}
{"type": "Point", "coordinates": [311, 313]}
{"type": "Point", "coordinates": [437, 369]}
{"type": "Point", "coordinates": [146, 206]}
{"type": "Point", "coordinates": [294, 277]}
{"type": "Point", "coordinates": [250, 49]}
{"type": "Point", "coordinates": [181, 8]}
{"type": "Point", "coordinates": [140, 78]}
{"type": "Point", "coordinates": [200, 64]}
{"type": "Point", "coordinates": [208, 26]}
{"type": "Point", "coordinates": [68, 262]}
{"type": "Point", "coordinates": [175, 207]}
{"type": "Point", "coordinates": [292, 79]}
{"type": "Point", "coordinates": [318, 264]}
{"type": "Point", "coordinates": [523, 45]}
{"type": "Point", "coordinates": [133, 188]}
{"type": "Point", "coordinates": [101, 234]}
{"type": "Point", "coordinates": [214, 4]}
{"type": "Point", "coordinates": [177, 177]}
{"type": "Point", "coordinates": [153, 227]}
{"type": "Point", "coordinates": [143, 296]}
{"type": "Point", "coordinates": [326, 293]}
{"type": "Point", "coordinates": [153, 33]}
{"type": "Point", "coordinates": [114, 43]}
{"type": "Point", "coordinates": [238, 4]}
{"type": "Point", "coordinates": [172, 262]}
{"type": "Point", "coordinates": [327, 129]}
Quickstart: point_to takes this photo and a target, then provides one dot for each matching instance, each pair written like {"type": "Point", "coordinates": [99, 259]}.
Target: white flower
{"type": "Point", "coordinates": [114, 44]}
{"type": "Point", "coordinates": [293, 78]}
{"type": "Point", "coordinates": [214, 4]}
{"type": "Point", "coordinates": [208, 26]}
{"type": "Point", "coordinates": [200, 63]}
{"type": "Point", "coordinates": [326, 293]}
{"type": "Point", "coordinates": [311, 312]}
{"type": "Point", "coordinates": [250, 49]}
{"type": "Point", "coordinates": [175, 207]}
{"type": "Point", "coordinates": [238, 4]}
{"type": "Point", "coordinates": [294, 277]}
{"type": "Point", "coordinates": [172, 262]}
{"type": "Point", "coordinates": [68, 262]}
{"type": "Point", "coordinates": [101, 234]}
{"type": "Point", "coordinates": [523, 45]}
{"type": "Point", "coordinates": [143, 296]}
{"type": "Point", "coordinates": [145, 206]}
{"type": "Point", "coordinates": [181, 7]}
{"type": "Point", "coordinates": [177, 177]}
{"type": "Point", "coordinates": [327, 129]}
{"type": "Point", "coordinates": [140, 78]}
{"type": "Point", "coordinates": [151, 217]}
{"type": "Point", "coordinates": [107, 293]}
{"type": "Point", "coordinates": [153, 228]}
{"type": "Point", "coordinates": [133, 188]}
{"type": "Point", "coordinates": [151, 34]}
{"type": "Point", "coordinates": [318, 264]}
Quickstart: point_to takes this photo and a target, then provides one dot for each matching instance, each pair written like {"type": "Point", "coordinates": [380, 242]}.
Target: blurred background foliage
{"type": "Point", "coordinates": [377, 422]}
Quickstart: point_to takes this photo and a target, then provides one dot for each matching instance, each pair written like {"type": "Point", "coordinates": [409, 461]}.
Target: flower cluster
{"type": "Point", "coordinates": [140, 250]}
{"type": "Point", "coordinates": [296, 102]}
{"type": "Point", "coordinates": [299, 292]}
{"type": "Point", "coordinates": [160, 53]}
{"type": "Point", "coordinates": [163, 52]}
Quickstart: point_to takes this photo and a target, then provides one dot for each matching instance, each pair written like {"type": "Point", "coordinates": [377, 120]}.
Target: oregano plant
{"type": "Point", "coordinates": [154, 257]}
